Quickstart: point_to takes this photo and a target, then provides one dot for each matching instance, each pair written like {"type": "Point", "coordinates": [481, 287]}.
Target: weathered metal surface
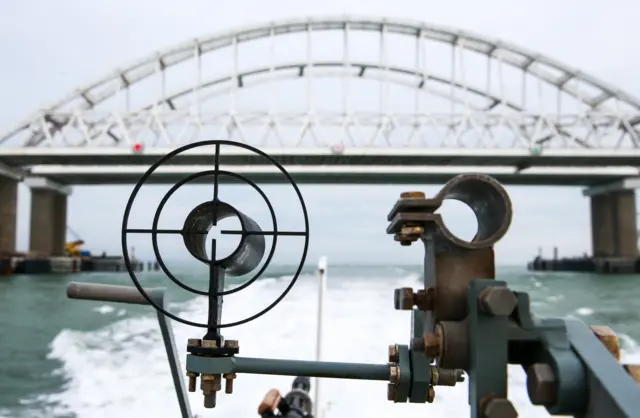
{"type": "Point", "coordinates": [250, 251]}
{"type": "Point", "coordinates": [451, 263]}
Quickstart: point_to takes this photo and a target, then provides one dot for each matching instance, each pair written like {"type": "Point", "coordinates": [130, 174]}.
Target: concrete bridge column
{"type": "Point", "coordinates": [48, 226]}
{"type": "Point", "coordinates": [613, 220]}
{"type": "Point", "coordinates": [9, 181]}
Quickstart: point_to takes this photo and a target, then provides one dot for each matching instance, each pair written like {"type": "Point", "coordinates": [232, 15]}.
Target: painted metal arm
{"type": "Point", "coordinates": [327, 369]}
{"type": "Point", "coordinates": [129, 294]}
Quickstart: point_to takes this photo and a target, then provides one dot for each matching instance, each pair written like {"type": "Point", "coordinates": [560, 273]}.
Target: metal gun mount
{"type": "Point", "coordinates": [463, 320]}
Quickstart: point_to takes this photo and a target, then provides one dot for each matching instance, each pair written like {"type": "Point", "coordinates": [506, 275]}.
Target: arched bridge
{"type": "Point", "coordinates": [338, 99]}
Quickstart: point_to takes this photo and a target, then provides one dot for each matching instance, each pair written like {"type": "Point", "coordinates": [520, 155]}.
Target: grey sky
{"type": "Point", "coordinates": [48, 49]}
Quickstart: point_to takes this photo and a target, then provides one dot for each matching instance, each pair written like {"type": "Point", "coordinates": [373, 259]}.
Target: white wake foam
{"type": "Point", "coordinates": [121, 370]}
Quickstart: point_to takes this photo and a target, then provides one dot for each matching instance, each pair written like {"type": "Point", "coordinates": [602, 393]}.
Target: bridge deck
{"type": "Point", "coordinates": [345, 174]}
{"type": "Point", "coordinates": [320, 156]}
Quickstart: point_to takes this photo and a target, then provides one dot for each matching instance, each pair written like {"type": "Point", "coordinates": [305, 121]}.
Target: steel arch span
{"type": "Point", "coordinates": [492, 95]}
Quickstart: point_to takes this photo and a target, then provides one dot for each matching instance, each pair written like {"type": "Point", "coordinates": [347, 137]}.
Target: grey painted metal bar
{"type": "Point", "coordinates": [612, 392]}
{"type": "Point", "coordinates": [129, 294]}
{"type": "Point", "coordinates": [106, 293]}
{"type": "Point", "coordinates": [487, 334]}
{"type": "Point", "coordinates": [249, 365]}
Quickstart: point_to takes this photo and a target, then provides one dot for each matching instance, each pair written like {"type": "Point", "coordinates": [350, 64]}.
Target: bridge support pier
{"type": "Point", "coordinates": [48, 225]}
{"type": "Point", "coordinates": [613, 224]}
{"type": "Point", "coordinates": [614, 229]}
{"type": "Point", "coordinates": [9, 181]}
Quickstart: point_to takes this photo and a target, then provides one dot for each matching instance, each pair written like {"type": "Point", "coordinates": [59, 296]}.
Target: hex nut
{"type": "Point", "coordinates": [432, 345]}
{"type": "Point", "coordinates": [431, 395]}
{"type": "Point", "coordinates": [231, 344]}
{"type": "Point", "coordinates": [209, 343]}
{"type": "Point", "coordinates": [498, 301]}
{"type": "Point", "coordinates": [412, 195]}
{"type": "Point", "coordinates": [403, 299]}
{"type": "Point", "coordinates": [500, 408]}
{"type": "Point", "coordinates": [194, 342]}
{"type": "Point", "coordinates": [541, 384]}
{"type": "Point", "coordinates": [394, 355]}
{"type": "Point", "coordinates": [394, 374]}
{"type": "Point", "coordinates": [391, 392]}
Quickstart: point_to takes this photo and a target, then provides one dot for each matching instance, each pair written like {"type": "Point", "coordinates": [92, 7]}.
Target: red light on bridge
{"type": "Point", "coordinates": [337, 149]}
{"type": "Point", "coordinates": [137, 147]}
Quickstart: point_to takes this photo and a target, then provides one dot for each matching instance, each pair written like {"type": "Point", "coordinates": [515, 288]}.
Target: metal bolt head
{"type": "Point", "coordinates": [403, 299]}
{"type": "Point", "coordinates": [194, 342]}
{"type": "Point", "coordinates": [209, 343]}
{"type": "Point", "coordinates": [391, 392]}
{"type": "Point", "coordinates": [431, 395]}
{"type": "Point", "coordinates": [500, 408]}
{"type": "Point", "coordinates": [432, 345]}
{"type": "Point", "coordinates": [394, 355]}
{"type": "Point", "coordinates": [231, 344]}
{"type": "Point", "coordinates": [394, 374]}
{"type": "Point", "coordinates": [541, 384]}
{"type": "Point", "coordinates": [412, 195]}
{"type": "Point", "coordinates": [498, 301]}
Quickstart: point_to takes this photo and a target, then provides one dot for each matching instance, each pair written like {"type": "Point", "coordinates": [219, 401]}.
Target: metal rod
{"type": "Point", "coordinates": [106, 293]}
{"type": "Point", "coordinates": [322, 271]}
{"type": "Point", "coordinates": [330, 369]}
{"type": "Point", "coordinates": [174, 363]}
{"type": "Point", "coordinates": [129, 294]}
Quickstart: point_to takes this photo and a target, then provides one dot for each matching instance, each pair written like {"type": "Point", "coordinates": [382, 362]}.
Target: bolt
{"type": "Point", "coordinates": [432, 343]}
{"type": "Point", "coordinates": [391, 392]}
{"type": "Point", "coordinates": [228, 384]}
{"type": "Point", "coordinates": [217, 382]}
{"type": "Point", "coordinates": [192, 381]}
{"type": "Point", "coordinates": [425, 299]}
{"type": "Point", "coordinates": [412, 231]}
{"type": "Point", "coordinates": [206, 383]}
{"type": "Point", "coordinates": [431, 394]}
{"type": "Point", "coordinates": [448, 377]}
{"type": "Point", "coordinates": [209, 343]}
{"type": "Point", "coordinates": [231, 344]}
{"type": "Point", "coordinates": [194, 342]}
{"type": "Point", "coordinates": [499, 408]}
{"type": "Point", "coordinates": [210, 400]}
{"type": "Point", "coordinates": [394, 355]}
{"type": "Point", "coordinates": [541, 384]}
{"type": "Point", "coordinates": [403, 299]}
{"type": "Point", "coordinates": [412, 195]}
{"type": "Point", "coordinates": [394, 374]}
{"type": "Point", "coordinates": [429, 343]}
{"type": "Point", "coordinates": [409, 234]}
{"type": "Point", "coordinates": [498, 301]}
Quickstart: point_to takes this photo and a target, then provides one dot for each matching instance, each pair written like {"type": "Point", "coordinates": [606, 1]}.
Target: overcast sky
{"type": "Point", "coordinates": [49, 48]}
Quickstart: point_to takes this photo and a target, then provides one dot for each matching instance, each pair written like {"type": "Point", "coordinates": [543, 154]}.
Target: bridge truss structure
{"type": "Point", "coordinates": [493, 95]}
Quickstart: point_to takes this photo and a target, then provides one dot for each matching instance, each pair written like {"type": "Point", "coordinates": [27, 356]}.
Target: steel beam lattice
{"type": "Point", "coordinates": [522, 99]}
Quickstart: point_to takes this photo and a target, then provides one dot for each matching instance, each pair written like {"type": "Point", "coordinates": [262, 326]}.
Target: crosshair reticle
{"type": "Point", "coordinates": [243, 260]}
